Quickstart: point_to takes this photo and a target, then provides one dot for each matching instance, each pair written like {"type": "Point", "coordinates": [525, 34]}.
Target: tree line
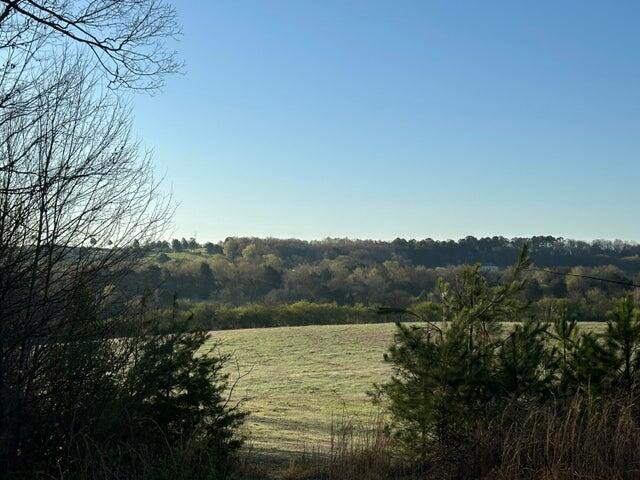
{"type": "Point", "coordinates": [545, 251]}
{"type": "Point", "coordinates": [240, 282]}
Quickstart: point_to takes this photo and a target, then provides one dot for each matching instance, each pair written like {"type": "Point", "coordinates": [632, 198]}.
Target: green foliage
{"type": "Point", "coordinates": [447, 375]}
{"type": "Point", "coordinates": [606, 362]}
{"type": "Point", "coordinates": [452, 377]}
{"type": "Point", "coordinates": [622, 342]}
{"type": "Point", "coordinates": [122, 401]}
{"type": "Point", "coordinates": [525, 364]}
{"type": "Point", "coordinates": [246, 271]}
{"type": "Point", "coordinates": [194, 316]}
{"type": "Point", "coordinates": [183, 393]}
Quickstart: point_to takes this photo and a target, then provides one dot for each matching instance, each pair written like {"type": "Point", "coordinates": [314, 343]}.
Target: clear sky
{"type": "Point", "coordinates": [406, 119]}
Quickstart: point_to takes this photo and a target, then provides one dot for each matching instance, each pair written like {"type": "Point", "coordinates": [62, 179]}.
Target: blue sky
{"type": "Point", "coordinates": [402, 119]}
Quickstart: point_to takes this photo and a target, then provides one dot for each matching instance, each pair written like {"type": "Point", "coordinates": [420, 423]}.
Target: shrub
{"type": "Point", "coordinates": [453, 378]}
{"type": "Point", "coordinates": [179, 391]}
{"type": "Point", "coordinates": [99, 404]}
{"type": "Point", "coordinates": [448, 376]}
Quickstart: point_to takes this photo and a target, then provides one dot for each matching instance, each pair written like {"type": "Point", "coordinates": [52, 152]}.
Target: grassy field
{"type": "Point", "coordinates": [303, 377]}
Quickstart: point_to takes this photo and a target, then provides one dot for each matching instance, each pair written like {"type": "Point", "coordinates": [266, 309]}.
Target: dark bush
{"type": "Point", "coordinates": [99, 404]}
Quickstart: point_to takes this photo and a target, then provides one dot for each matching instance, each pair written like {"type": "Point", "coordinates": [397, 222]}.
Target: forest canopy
{"type": "Point", "coordinates": [208, 279]}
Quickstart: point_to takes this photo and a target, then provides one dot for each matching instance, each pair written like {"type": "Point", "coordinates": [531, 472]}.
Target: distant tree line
{"type": "Point", "coordinates": [547, 251]}
{"type": "Point", "coordinates": [272, 272]}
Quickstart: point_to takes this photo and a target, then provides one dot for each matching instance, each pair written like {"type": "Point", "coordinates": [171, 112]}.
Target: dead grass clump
{"type": "Point", "coordinates": [584, 439]}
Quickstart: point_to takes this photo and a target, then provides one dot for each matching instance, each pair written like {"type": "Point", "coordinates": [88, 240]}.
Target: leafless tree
{"type": "Point", "coordinates": [76, 189]}
{"type": "Point", "coordinates": [76, 192]}
{"type": "Point", "coordinates": [126, 38]}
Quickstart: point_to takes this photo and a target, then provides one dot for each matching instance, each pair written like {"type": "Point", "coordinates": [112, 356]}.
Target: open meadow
{"type": "Point", "coordinates": [302, 378]}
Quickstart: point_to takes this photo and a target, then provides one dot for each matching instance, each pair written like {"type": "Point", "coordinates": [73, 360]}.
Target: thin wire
{"type": "Point", "coordinates": [600, 279]}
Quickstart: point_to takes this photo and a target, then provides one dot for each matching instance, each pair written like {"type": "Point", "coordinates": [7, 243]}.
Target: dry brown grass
{"type": "Point", "coordinates": [357, 450]}
{"type": "Point", "coordinates": [587, 440]}
{"type": "Point", "coordinates": [583, 439]}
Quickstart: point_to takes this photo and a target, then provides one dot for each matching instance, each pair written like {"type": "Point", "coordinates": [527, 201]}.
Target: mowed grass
{"type": "Point", "coordinates": [300, 379]}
